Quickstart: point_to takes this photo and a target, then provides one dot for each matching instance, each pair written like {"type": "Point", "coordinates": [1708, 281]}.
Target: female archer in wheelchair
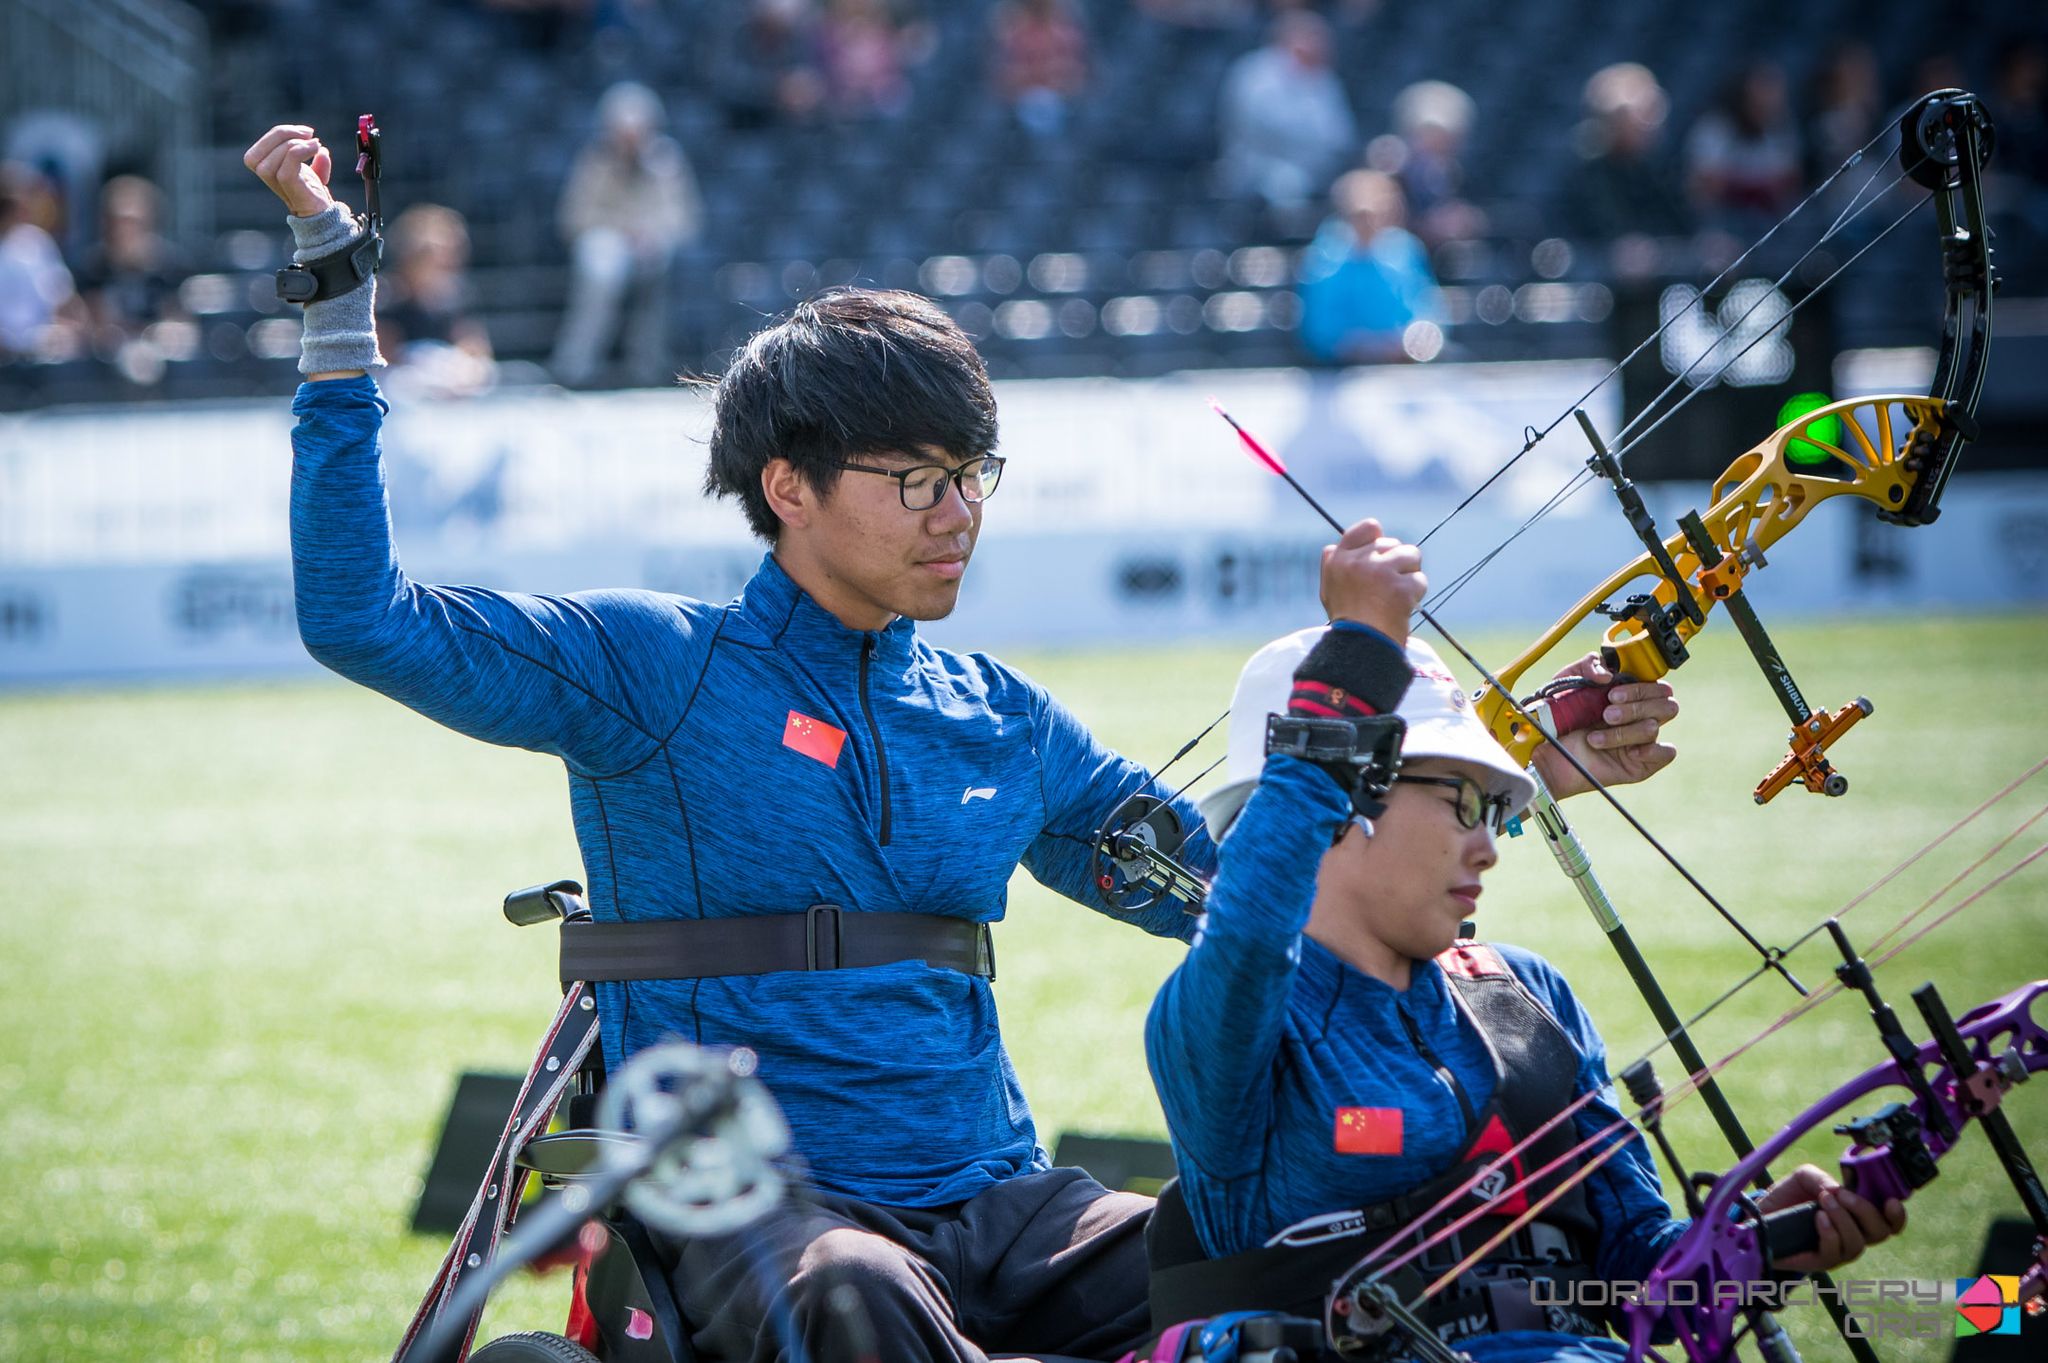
{"type": "Point", "coordinates": [1334, 1060]}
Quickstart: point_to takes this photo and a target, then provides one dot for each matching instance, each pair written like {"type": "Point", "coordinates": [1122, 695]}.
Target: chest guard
{"type": "Point", "coordinates": [1535, 1068]}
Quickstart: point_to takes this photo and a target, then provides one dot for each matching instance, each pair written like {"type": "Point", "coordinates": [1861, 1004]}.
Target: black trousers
{"type": "Point", "coordinates": [1044, 1264]}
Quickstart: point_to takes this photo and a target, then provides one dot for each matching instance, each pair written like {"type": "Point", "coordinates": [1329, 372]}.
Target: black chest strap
{"type": "Point", "coordinates": [822, 937]}
{"type": "Point", "coordinates": [1535, 1068]}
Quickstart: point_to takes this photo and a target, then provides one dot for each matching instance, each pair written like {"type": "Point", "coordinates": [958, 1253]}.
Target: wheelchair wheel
{"type": "Point", "coordinates": [532, 1346]}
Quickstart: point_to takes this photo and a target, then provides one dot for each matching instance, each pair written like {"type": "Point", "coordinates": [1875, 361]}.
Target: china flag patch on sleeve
{"type": "Point", "coordinates": [1368, 1131]}
{"type": "Point", "coordinates": [814, 738]}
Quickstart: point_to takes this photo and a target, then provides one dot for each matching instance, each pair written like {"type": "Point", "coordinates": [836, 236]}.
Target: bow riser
{"type": "Point", "coordinates": [1758, 501]}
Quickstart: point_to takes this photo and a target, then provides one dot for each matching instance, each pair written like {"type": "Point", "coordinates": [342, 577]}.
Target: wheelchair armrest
{"type": "Point", "coordinates": [545, 903]}
{"type": "Point", "coordinates": [570, 1154]}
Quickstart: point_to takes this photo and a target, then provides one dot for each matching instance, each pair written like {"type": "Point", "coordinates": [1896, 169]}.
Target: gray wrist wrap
{"type": "Point", "coordinates": [341, 332]}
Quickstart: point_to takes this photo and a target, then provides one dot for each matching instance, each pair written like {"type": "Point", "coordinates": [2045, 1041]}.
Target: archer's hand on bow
{"type": "Point", "coordinates": [1847, 1224]}
{"type": "Point", "coordinates": [1624, 749]}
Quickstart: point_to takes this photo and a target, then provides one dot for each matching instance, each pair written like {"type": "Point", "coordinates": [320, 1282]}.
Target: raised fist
{"type": "Point", "coordinates": [1374, 579]}
{"type": "Point", "coordinates": [295, 165]}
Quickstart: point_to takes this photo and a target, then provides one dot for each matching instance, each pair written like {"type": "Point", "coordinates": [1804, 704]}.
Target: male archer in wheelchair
{"type": "Point", "coordinates": [1333, 1060]}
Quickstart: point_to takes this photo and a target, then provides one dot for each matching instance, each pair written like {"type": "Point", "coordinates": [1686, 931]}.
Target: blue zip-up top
{"type": "Point", "coordinates": [671, 716]}
{"type": "Point", "coordinates": [1261, 1035]}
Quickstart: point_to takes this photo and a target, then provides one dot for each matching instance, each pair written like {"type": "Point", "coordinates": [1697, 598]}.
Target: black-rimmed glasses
{"type": "Point", "coordinates": [923, 486]}
{"type": "Point", "coordinates": [1473, 805]}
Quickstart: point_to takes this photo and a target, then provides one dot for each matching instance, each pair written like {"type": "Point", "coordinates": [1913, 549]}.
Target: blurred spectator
{"type": "Point", "coordinates": [2016, 179]}
{"type": "Point", "coordinates": [542, 25]}
{"type": "Point", "coordinates": [1041, 61]}
{"type": "Point", "coordinates": [41, 315]}
{"type": "Point", "coordinates": [630, 204]}
{"type": "Point", "coordinates": [1432, 120]}
{"type": "Point", "coordinates": [2018, 104]}
{"type": "Point", "coordinates": [130, 278]}
{"type": "Point", "coordinates": [866, 50]}
{"type": "Point", "coordinates": [1743, 165]}
{"type": "Point", "coordinates": [69, 151]}
{"type": "Point", "coordinates": [1848, 105]}
{"type": "Point", "coordinates": [764, 64]}
{"type": "Point", "coordinates": [1847, 114]}
{"type": "Point", "coordinates": [1286, 126]}
{"type": "Point", "coordinates": [423, 323]}
{"type": "Point", "coordinates": [1366, 279]}
{"type": "Point", "coordinates": [1624, 188]}
{"type": "Point", "coordinates": [1937, 71]}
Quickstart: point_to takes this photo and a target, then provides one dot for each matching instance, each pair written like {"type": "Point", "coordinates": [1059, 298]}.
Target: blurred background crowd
{"type": "Point", "coordinates": [600, 193]}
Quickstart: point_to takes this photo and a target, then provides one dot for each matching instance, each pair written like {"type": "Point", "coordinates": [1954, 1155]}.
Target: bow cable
{"type": "Point", "coordinates": [1628, 442]}
{"type": "Point", "coordinates": [1533, 437]}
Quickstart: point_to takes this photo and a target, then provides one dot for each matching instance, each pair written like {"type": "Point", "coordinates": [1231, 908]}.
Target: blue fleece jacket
{"type": "Point", "coordinates": [1261, 1034]}
{"type": "Point", "coordinates": [695, 738]}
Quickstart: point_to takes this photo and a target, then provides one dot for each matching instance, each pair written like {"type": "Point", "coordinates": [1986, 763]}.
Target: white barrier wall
{"type": "Point", "coordinates": [153, 542]}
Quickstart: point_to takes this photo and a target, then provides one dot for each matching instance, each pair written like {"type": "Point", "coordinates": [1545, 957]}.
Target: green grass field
{"type": "Point", "coordinates": [254, 936]}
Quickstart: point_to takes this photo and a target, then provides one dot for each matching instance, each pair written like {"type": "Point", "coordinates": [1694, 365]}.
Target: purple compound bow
{"type": "Point", "coordinates": [1894, 1151]}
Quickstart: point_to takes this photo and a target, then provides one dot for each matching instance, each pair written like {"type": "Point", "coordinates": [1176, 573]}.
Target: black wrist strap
{"type": "Point", "coordinates": [1351, 672]}
{"type": "Point", "coordinates": [1362, 755]}
{"type": "Point", "coordinates": [348, 269]}
{"type": "Point", "coordinates": [334, 274]}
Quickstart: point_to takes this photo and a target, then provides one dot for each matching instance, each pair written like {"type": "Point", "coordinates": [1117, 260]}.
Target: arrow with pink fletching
{"type": "Point", "coordinates": [1272, 461]}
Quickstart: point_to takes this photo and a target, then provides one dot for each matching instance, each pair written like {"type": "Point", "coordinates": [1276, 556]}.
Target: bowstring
{"type": "Point", "coordinates": [1772, 957]}
{"type": "Point", "coordinates": [1184, 750]}
{"type": "Point", "coordinates": [1956, 880]}
{"type": "Point", "coordinates": [1855, 208]}
{"type": "Point", "coordinates": [1581, 477]}
{"type": "Point", "coordinates": [1622, 451]}
{"type": "Point", "coordinates": [1993, 884]}
{"type": "Point", "coordinates": [2029, 774]}
{"type": "Point", "coordinates": [1572, 488]}
{"type": "Point", "coordinates": [1769, 956]}
{"type": "Point", "coordinates": [1842, 220]}
{"type": "Point", "coordinates": [1691, 1083]}
{"type": "Point", "coordinates": [1533, 437]}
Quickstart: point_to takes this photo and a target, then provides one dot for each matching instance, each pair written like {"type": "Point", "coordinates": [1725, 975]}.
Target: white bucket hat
{"type": "Point", "coordinates": [1441, 723]}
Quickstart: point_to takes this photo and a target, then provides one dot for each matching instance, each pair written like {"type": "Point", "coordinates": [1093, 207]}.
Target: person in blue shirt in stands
{"type": "Point", "coordinates": [1333, 1060]}
{"type": "Point", "coordinates": [1366, 278]}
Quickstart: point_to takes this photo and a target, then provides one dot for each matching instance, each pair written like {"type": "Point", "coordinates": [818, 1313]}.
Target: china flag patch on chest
{"type": "Point", "coordinates": [1368, 1131]}
{"type": "Point", "coordinates": [814, 738]}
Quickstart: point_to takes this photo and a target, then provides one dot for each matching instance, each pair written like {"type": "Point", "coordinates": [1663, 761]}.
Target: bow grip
{"type": "Point", "coordinates": [1580, 708]}
{"type": "Point", "coordinates": [1791, 1231]}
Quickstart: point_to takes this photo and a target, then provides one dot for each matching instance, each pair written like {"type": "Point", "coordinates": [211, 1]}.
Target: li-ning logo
{"type": "Point", "coordinates": [1989, 1305]}
{"type": "Point", "coordinates": [978, 793]}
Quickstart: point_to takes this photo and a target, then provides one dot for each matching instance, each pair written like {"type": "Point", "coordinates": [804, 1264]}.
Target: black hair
{"type": "Point", "coordinates": [848, 373]}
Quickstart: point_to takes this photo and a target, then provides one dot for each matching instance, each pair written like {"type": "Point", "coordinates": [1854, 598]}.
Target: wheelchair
{"type": "Point", "coordinates": [622, 1306]}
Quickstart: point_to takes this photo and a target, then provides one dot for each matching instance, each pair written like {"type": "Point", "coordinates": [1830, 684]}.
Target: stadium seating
{"type": "Point", "coordinates": [954, 198]}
